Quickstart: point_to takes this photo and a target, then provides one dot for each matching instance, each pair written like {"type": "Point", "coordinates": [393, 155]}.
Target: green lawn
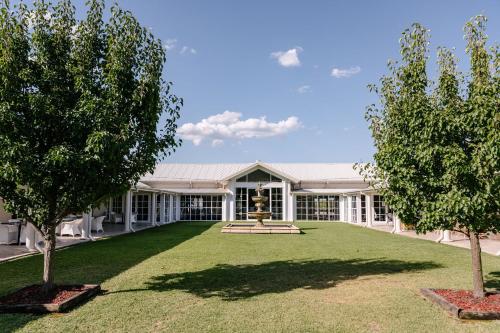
{"type": "Point", "coordinates": [188, 277]}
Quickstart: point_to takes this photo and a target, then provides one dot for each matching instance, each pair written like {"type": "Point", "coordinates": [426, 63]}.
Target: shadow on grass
{"type": "Point", "coordinates": [235, 282]}
{"type": "Point", "coordinates": [493, 280]}
{"type": "Point", "coordinates": [92, 262]}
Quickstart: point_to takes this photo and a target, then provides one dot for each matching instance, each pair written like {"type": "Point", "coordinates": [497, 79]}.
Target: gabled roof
{"type": "Point", "coordinates": [261, 166]}
{"type": "Point", "coordinates": [220, 172]}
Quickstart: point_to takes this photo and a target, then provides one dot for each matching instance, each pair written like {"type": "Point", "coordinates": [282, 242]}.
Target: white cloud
{"type": "Point", "coordinates": [188, 49]}
{"type": "Point", "coordinates": [217, 142]}
{"type": "Point", "coordinates": [170, 44]}
{"type": "Point", "coordinates": [229, 125]}
{"type": "Point", "coordinates": [288, 58]}
{"type": "Point", "coordinates": [304, 89]}
{"type": "Point", "coordinates": [345, 72]}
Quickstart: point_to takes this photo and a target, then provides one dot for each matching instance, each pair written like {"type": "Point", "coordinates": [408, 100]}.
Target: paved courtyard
{"type": "Point", "coordinates": [9, 252]}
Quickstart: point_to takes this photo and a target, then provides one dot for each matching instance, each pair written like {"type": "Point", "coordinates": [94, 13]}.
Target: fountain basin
{"type": "Point", "coordinates": [251, 228]}
{"type": "Point", "coordinates": [259, 216]}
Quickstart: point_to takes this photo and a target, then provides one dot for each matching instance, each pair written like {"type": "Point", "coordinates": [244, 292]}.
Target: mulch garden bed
{"type": "Point", "coordinates": [462, 304]}
{"type": "Point", "coordinates": [30, 299]}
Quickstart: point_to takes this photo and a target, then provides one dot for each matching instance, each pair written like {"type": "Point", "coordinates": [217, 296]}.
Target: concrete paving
{"type": "Point", "coordinates": [10, 252]}
{"type": "Point", "coordinates": [491, 246]}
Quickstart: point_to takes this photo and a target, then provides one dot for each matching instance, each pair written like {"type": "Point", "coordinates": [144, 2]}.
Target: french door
{"type": "Point", "coordinates": [245, 204]}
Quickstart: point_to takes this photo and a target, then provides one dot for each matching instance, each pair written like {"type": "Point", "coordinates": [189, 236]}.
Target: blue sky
{"type": "Point", "coordinates": [275, 59]}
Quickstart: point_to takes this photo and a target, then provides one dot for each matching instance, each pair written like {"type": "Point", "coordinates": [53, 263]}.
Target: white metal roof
{"type": "Point", "coordinates": [329, 190]}
{"type": "Point", "coordinates": [219, 172]}
{"type": "Point", "coordinates": [198, 190]}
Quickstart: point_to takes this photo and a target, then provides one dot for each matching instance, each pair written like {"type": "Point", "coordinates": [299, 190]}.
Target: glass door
{"type": "Point", "coordinates": [251, 205]}
{"type": "Point", "coordinates": [244, 203]}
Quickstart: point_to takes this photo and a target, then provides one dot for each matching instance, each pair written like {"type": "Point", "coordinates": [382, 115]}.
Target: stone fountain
{"type": "Point", "coordinates": [260, 214]}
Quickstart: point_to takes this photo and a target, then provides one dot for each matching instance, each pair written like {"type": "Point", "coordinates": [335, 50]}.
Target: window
{"type": "Point", "coordinates": [167, 208]}
{"type": "Point", "coordinates": [334, 208]}
{"type": "Point", "coordinates": [140, 206]}
{"type": "Point", "coordinates": [174, 208]}
{"type": "Point", "coordinates": [241, 203]}
{"type": "Point", "coordinates": [318, 207]}
{"type": "Point", "coordinates": [277, 203]}
{"type": "Point", "coordinates": [301, 207]}
{"type": "Point", "coordinates": [346, 208]}
{"type": "Point", "coordinates": [158, 204]}
{"type": "Point", "coordinates": [363, 208]}
{"type": "Point", "coordinates": [201, 207]}
{"type": "Point", "coordinates": [321, 207]}
{"type": "Point", "coordinates": [354, 209]}
{"type": "Point", "coordinates": [244, 203]}
{"type": "Point", "coordinates": [117, 205]}
{"type": "Point", "coordinates": [379, 208]}
{"type": "Point", "coordinates": [258, 176]}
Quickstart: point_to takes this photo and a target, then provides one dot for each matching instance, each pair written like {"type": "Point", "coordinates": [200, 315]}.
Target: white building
{"type": "Point", "coordinates": [222, 192]}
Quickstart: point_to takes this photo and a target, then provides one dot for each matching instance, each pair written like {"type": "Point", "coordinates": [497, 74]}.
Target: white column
{"type": "Point", "coordinates": [288, 204]}
{"type": "Point", "coordinates": [369, 210]}
{"type": "Point", "coordinates": [110, 208]}
{"type": "Point", "coordinates": [341, 208]}
{"type": "Point", "coordinates": [397, 224]}
{"type": "Point", "coordinates": [284, 189]}
{"type": "Point", "coordinates": [87, 223]}
{"type": "Point", "coordinates": [349, 203]}
{"type": "Point", "coordinates": [177, 207]}
{"type": "Point", "coordinates": [224, 208]}
{"type": "Point", "coordinates": [162, 208]}
{"type": "Point", "coordinates": [128, 210]}
{"type": "Point", "coordinates": [171, 217]}
{"type": "Point", "coordinates": [231, 198]}
{"type": "Point", "coordinates": [447, 236]}
{"type": "Point", "coordinates": [30, 233]}
{"type": "Point", "coordinates": [293, 200]}
{"type": "Point", "coordinates": [153, 208]}
{"type": "Point", "coordinates": [344, 208]}
{"type": "Point", "coordinates": [358, 209]}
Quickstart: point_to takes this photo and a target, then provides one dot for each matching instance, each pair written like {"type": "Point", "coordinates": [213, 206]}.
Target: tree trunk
{"type": "Point", "coordinates": [477, 266]}
{"type": "Point", "coordinates": [48, 259]}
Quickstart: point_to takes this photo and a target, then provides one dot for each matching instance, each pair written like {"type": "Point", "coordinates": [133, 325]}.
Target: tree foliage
{"type": "Point", "coordinates": [80, 105]}
{"type": "Point", "coordinates": [438, 144]}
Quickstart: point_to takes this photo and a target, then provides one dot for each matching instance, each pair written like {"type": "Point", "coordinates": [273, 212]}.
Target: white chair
{"type": "Point", "coordinates": [72, 228]}
{"type": "Point", "coordinates": [8, 234]}
{"type": "Point", "coordinates": [97, 223]}
{"type": "Point", "coordinates": [116, 218]}
{"type": "Point", "coordinates": [133, 218]}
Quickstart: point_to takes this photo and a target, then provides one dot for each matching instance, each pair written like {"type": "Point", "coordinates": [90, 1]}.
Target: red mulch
{"type": "Point", "coordinates": [466, 301]}
{"type": "Point", "coordinates": [33, 295]}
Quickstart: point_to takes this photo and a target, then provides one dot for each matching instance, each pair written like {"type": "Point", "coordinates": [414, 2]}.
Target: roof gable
{"type": "Point", "coordinates": [260, 166]}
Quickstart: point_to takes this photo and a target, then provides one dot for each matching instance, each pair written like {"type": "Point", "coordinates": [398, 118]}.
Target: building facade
{"type": "Point", "coordinates": [222, 192]}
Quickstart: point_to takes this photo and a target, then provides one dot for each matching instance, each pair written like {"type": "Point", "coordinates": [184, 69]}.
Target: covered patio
{"type": "Point", "coordinates": [140, 208]}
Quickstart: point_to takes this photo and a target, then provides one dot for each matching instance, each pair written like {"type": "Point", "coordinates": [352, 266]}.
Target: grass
{"type": "Point", "coordinates": [188, 277]}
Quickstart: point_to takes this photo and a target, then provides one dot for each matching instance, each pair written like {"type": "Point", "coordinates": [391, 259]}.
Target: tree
{"type": "Point", "coordinates": [438, 145]}
{"type": "Point", "coordinates": [80, 103]}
